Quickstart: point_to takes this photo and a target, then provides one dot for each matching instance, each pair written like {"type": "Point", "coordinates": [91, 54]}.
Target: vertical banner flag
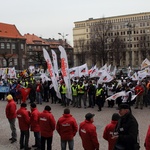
{"type": "Point", "coordinates": [65, 71]}
{"type": "Point", "coordinates": [55, 64]}
{"type": "Point", "coordinates": [51, 72]}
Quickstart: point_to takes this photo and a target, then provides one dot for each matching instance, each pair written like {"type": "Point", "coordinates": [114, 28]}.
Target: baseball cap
{"type": "Point", "coordinates": [88, 116]}
{"type": "Point", "coordinates": [124, 106]}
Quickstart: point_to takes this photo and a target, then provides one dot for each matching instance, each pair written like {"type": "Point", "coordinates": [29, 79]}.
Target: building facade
{"type": "Point", "coordinates": [12, 47]}
{"type": "Point", "coordinates": [132, 31]}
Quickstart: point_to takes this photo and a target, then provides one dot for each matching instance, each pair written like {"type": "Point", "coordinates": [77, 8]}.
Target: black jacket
{"type": "Point", "coordinates": [127, 129]}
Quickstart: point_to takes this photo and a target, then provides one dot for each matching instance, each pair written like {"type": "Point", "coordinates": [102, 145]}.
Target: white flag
{"type": "Point", "coordinates": [104, 67]}
{"type": "Point", "coordinates": [145, 63]}
{"type": "Point", "coordinates": [134, 77]}
{"type": "Point", "coordinates": [116, 95]}
{"type": "Point", "coordinates": [93, 71]}
{"type": "Point", "coordinates": [51, 72]}
{"type": "Point", "coordinates": [74, 72]}
{"type": "Point", "coordinates": [12, 73]}
{"type": "Point", "coordinates": [83, 70]}
{"type": "Point", "coordinates": [65, 71]}
{"type": "Point", "coordinates": [55, 62]}
{"type": "Point", "coordinates": [105, 77]}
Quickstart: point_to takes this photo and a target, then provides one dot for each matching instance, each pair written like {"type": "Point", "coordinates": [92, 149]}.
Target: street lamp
{"type": "Point", "coordinates": [130, 26]}
{"type": "Point", "coordinates": [63, 38]}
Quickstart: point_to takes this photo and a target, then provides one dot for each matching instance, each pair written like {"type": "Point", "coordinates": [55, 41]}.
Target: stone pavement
{"type": "Point", "coordinates": [100, 120]}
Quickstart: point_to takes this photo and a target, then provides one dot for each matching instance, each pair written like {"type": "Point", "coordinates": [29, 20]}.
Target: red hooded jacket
{"type": "Point", "coordinates": [67, 127]}
{"type": "Point", "coordinates": [87, 132]}
{"type": "Point", "coordinates": [107, 134]}
{"type": "Point", "coordinates": [11, 109]}
{"type": "Point", "coordinates": [23, 118]}
{"type": "Point", "coordinates": [47, 123]}
{"type": "Point", "coordinates": [147, 140]}
{"type": "Point", "coordinates": [35, 127]}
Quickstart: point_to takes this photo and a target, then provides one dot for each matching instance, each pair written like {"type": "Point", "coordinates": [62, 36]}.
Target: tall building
{"type": "Point", "coordinates": [119, 40]}
{"type": "Point", "coordinates": [12, 47]}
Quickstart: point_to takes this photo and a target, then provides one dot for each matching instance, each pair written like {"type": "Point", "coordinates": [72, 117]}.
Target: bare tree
{"type": "Point", "coordinates": [81, 49]}
{"type": "Point", "coordinates": [100, 33]}
{"type": "Point", "coordinates": [8, 58]}
{"type": "Point", "coordinates": [117, 48]}
{"type": "Point", "coordinates": [144, 46]}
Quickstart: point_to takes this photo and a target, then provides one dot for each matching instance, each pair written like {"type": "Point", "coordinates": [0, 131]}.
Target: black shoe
{"type": "Point", "coordinates": [28, 148]}
{"type": "Point", "coordinates": [21, 147]}
{"type": "Point", "coordinates": [13, 140]}
{"type": "Point", "coordinates": [34, 145]}
{"type": "Point", "coordinates": [10, 139]}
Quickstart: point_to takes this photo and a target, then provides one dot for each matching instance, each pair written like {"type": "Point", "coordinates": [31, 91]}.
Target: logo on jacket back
{"type": "Point", "coordinates": [43, 119]}
{"type": "Point", "coordinates": [83, 130]}
{"type": "Point", "coordinates": [65, 124]}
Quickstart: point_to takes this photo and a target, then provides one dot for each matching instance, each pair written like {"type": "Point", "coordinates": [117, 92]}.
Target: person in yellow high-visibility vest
{"type": "Point", "coordinates": [74, 88]}
{"type": "Point", "coordinates": [81, 89]}
{"type": "Point", "coordinates": [99, 97]}
{"type": "Point", "coordinates": [63, 91]}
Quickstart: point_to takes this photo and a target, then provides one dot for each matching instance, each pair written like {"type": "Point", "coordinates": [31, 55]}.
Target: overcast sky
{"type": "Point", "coordinates": [46, 18]}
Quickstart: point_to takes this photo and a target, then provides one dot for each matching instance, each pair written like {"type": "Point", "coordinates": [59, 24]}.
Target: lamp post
{"type": "Point", "coordinates": [130, 26]}
{"type": "Point", "coordinates": [63, 38]}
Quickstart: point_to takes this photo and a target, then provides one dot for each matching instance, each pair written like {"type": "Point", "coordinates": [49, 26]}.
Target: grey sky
{"type": "Point", "coordinates": [47, 18]}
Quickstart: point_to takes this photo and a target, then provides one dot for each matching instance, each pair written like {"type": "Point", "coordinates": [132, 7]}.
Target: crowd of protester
{"type": "Point", "coordinates": [86, 93]}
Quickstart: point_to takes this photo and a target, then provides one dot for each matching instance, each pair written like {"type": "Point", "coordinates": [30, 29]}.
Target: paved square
{"type": "Point", "coordinates": [101, 119]}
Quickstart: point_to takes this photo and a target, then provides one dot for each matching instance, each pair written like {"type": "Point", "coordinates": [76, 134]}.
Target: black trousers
{"type": "Point", "coordinates": [24, 139]}
{"type": "Point", "coordinates": [49, 142]}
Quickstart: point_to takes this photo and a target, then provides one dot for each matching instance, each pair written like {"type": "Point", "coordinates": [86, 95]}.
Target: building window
{"type": "Point", "coordinates": [4, 62]}
{"type": "Point", "coordinates": [10, 60]}
{"type": "Point", "coordinates": [15, 62]}
{"type": "Point", "coordinates": [2, 45]}
{"type": "Point", "coordinates": [23, 62]}
{"type": "Point", "coordinates": [8, 46]}
{"type": "Point", "coordinates": [13, 46]}
{"type": "Point", "coordinates": [22, 46]}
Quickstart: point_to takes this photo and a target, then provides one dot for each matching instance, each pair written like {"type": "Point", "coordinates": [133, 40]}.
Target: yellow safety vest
{"type": "Point", "coordinates": [74, 91]}
{"type": "Point", "coordinates": [98, 92]}
{"type": "Point", "coordinates": [80, 89]}
{"type": "Point", "coordinates": [64, 89]}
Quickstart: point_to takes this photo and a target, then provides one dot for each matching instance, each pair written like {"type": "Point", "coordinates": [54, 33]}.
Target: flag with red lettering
{"type": "Point", "coordinates": [51, 72]}
{"type": "Point", "coordinates": [65, 71]}
{"type": "Point", "coordinates": [55, 64]}
{"type": "Point", "coordinates": [74, 72]}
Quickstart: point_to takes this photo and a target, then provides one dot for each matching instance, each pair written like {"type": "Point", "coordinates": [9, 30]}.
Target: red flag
{"type": "Point", "coordinates": [24, 92]}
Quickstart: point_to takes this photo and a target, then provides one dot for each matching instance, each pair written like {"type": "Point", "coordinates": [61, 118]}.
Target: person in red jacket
{"type": "Point", "coordinates": [147, 140]}
{"type": "Point", "coordinates": [87, 132]}
{"type": "Point", "coordinates": [139, 91]}
{"type": "Point", "coordinates": [67, 129]}
{"type": "Point", "coordinates": [47, 126]}
{"type": "Point", "coordinates": [35, 127]}
{"type": "Point", "coordinates": [24, 124]}
{"type": "Point", "coordinates": [109, 130]}
{"type": "Point", "coordinates": [11, 116]}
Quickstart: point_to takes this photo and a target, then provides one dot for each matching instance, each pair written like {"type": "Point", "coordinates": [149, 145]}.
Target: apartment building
{"type": "Point", "coordinates": [12, 47]}
{"type": "Point", "coordinates": [133, 30]}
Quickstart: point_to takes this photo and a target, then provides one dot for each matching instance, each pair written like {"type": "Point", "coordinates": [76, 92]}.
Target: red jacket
{"type": "Point", "coordinates": [47, 123]}
{"type": "Point", "coordinates": [88, 134]}
{"type": "Point", "coordinates": [35, 127]}
{"type": "Point", "coordinates": [107, 134]}
{"type": "Point", "coordinates": [23, 118]}
{"type": "Point", "coordinates": [67, 127]}
{"type": "Point", "coordinates": [139, 89]}
{"type": "Point", "coordinates": [147, 140]}
{"type": "Point", "coordinates": [11, 110]}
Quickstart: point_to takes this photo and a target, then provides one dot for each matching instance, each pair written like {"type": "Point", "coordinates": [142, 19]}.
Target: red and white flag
{"type": "Point", "coordinates": [55, 64]}
{"type": "Point", "coordinates": [65, 71]}
{"type": "Point", "coordinates": [145, 63]}
{"type": "Point", "coordinates": [83, 70]}
{"type": "Point", "coordinates": [51, 72]}
{"type": "Point", "coordinates": [74, 72]}
{"type": "Point", "coordinates": [116, 95]}
{"type": "Point", "coordinates": [104, 77]}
